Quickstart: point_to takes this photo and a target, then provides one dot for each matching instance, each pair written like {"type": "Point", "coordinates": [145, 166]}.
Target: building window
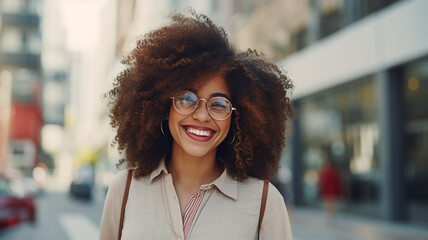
{"type": "Point", "coordinates": [370, 6]}
{"type": "Point", "coordinates": [331, 17]}
{"type": "Point", "coordinates": [33, 42]}
{"type": "Point", "coordinates": [24, 86]}
{"type": "Point", "coordinates": [336, 14]}
{"type": "Point", "coordinates": [11, 40]}
{"type": "Point", "coordinates": [339, 126]}
{"type": "Point", "coordinates": [415, 90]}
{"type": "Point", "coordinates": [12, 6]}
{"type": "Point", "coordinates": [20, 6]}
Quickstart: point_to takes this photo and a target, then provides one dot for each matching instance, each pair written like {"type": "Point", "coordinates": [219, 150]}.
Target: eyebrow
{"type": "Point", "coordinates": [219, 95]}
{"type": "Point", "coordinates": [212, 94]}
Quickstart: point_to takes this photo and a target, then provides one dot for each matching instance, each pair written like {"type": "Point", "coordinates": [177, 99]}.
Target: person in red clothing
{"type": "Point", "coordinates": [330, 188]}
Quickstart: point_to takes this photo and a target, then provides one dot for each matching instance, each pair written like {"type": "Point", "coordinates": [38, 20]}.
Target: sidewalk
{"type": "Point", "coordinates": [309, 224]}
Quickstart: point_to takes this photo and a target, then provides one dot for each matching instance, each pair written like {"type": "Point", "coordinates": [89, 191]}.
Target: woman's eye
{"type": "Point", "coordinates": [218, 105]}
{"type": "Point", "coordinates": [187, 101]}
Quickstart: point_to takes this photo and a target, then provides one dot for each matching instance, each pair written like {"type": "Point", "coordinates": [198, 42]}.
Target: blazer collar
{"type": "Point", "coordinates": [225, 183]}
{"type": "Point", "coordinates": [160, 169]}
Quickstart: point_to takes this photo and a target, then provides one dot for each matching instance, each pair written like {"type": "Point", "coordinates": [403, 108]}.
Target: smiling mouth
{"type": "Point", "coordinates": [198, 133]}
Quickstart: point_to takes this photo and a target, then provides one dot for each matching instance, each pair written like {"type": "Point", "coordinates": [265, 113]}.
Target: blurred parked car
{"type": "Point", "coordinates": [16, 203]}
{"type": "Point", "coordinates": [81, 187]}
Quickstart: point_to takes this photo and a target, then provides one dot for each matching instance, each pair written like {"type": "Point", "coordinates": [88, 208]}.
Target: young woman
{"type": "Point", "coordinates": [201, 126]}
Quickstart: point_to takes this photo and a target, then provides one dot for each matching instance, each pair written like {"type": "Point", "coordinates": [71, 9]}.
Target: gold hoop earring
{"type": "Point", "coordinates": [161, 127]}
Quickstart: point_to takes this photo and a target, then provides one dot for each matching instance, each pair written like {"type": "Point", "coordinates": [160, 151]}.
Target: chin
{"type": "Point", "coordinates": [197, 151]}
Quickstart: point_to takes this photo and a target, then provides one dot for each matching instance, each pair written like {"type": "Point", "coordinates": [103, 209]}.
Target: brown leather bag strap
{"type": "Point", "coordinates": [125, 199]}
{"type": "Point", "coordinates": [263, 205]}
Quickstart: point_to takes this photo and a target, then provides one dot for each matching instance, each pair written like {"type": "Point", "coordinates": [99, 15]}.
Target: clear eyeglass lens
{"type": "Point", "coordinates": [186, 102]}
{"type": "Point", "coordinates": [219, 107]}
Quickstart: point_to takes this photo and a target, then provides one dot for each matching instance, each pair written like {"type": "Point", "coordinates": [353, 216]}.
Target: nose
{"type": "Point", "coordinates": [201, 112]}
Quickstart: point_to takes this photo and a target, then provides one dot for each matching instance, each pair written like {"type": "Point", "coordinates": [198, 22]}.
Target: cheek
{"type": "Point", "coordinates": [173, 119]}
{"type": "Point", "coordinates": [171, 112]}
{"type": "Point", "coordinates": [224, 127]}
{"type": "Point", "coordinates": [173, 115]}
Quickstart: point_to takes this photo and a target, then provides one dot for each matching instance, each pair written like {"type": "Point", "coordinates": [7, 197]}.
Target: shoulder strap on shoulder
{"type": "Point", "coordinates": [125, 199]}
{"type": "Point", "coordinates": [263, 205]}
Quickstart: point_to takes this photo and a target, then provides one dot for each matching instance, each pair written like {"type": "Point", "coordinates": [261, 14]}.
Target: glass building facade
{"type": "Point", "coordinates": [414, 83]}
{"type": "Point", "coordinates": [298, 24]}
{"type": "Point", "coordinates": [342, 125]}
{"type": "Point", "coordinates": [360, 69]}
{"type": "Point", "coordinates": [20, 60]}
{"type": "Point", "coordinates": [339, 126]}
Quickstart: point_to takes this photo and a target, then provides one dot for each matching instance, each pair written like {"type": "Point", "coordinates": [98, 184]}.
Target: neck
{"type": "Point", "coordinates": [191, 172]}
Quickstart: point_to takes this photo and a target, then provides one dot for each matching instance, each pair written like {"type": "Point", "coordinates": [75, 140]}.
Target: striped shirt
{"type": "Point", "coordinates": [190, 211]}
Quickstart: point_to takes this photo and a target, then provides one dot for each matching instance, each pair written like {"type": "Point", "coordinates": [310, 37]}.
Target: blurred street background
{"type": "Point", "coordinates": [356, 163]}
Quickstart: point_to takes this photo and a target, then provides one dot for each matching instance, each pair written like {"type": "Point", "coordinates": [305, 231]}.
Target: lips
{"type": "Point", "coordinates": [198, 133]}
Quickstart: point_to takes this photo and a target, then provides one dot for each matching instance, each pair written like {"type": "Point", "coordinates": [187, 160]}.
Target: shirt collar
{"type": "Point", "coordinates": [225, 184]}
{"type": "Point", "coordinates": [160, 169]}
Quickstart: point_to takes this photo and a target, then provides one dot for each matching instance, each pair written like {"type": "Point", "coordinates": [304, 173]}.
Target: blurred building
{"type": "Point", "coordinates": [360, 69]}
{"type": "Point", "coordinates": [5, 111]}
{"type": "Point", "coordinates": [136, 18]}
{"type": "Point", "coordinates": [20, 45]}
{"type": "Point", "coordinates": [79, 49]}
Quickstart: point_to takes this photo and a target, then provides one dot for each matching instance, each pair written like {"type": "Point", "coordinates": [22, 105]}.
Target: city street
{"type": "Point", "coordinates": [313, 224]}
{"type": "Point", "coordinates": [85, 85]}
{"type": "Point", "coordinates": [62, 217]}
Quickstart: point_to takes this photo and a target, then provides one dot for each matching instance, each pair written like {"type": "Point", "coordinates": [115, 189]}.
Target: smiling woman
{"type": "Point", "coordinates": [201, 125]}
{"type": "Point", "coordinates": [196, 133]}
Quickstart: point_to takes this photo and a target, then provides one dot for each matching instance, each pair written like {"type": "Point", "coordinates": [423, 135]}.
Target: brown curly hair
{"type": "Point", "coordinates": [180, 55]}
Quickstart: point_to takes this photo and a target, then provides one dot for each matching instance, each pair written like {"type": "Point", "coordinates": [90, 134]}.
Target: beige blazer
{"type": "Point", "coordinates": [230, 210]}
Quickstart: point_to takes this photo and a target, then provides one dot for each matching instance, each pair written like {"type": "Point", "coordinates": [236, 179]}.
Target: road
{"type": "Point", "coordinates": [60, 216]}
{"type": "Point", "coordinates": [313, 224]}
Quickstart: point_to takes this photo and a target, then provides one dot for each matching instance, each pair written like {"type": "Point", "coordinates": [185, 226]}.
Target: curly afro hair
{"type": "Point", "coordinates": [180, 55]}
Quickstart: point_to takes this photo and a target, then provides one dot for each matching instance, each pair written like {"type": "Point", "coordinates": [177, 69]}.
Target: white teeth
{"type": "Point", "coordinates": [199, 132]}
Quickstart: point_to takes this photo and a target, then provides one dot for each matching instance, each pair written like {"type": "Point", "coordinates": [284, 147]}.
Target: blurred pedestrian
{"type": "Point", "coordinates": [201, 125]}
{"type": "Point", "coordinates": [330, 188]}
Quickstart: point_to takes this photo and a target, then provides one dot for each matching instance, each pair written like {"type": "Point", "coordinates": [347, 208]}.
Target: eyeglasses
{"type": "Point", "coordinates": [187, 102]}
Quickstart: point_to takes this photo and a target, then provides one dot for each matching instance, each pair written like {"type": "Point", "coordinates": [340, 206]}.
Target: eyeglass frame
{"type": "Point", "coordinates": [208, 109]}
